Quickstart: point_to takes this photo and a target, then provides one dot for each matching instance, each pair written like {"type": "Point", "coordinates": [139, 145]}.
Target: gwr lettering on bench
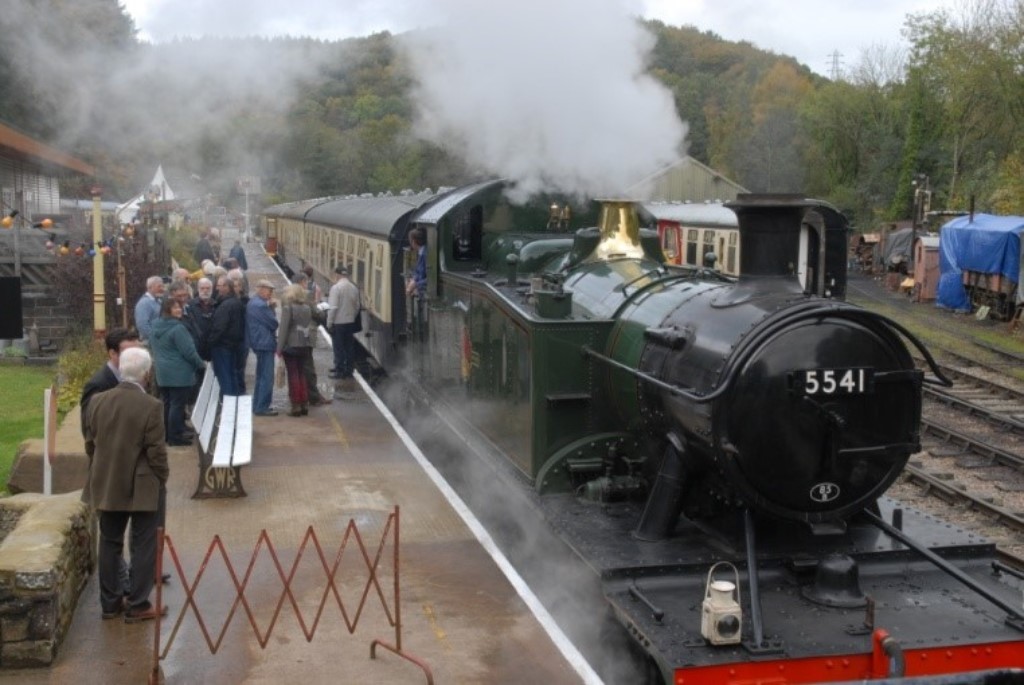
{"type": "Point", "coordinates": [230, 431]}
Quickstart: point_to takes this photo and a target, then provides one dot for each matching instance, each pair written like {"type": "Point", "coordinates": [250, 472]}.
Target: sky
{"type": "Point", "coordinates": [811, 31]}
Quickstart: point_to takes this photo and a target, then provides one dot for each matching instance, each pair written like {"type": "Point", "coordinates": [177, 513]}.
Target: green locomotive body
{"type": "Point", "coordinates": [754, 421]}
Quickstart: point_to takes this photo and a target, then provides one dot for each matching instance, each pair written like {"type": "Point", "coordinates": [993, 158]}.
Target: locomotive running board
{"type": "Point", "coordinates": [1015, 618]}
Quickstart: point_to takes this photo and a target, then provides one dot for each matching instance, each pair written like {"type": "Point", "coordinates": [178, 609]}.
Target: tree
{"type": "Point", "coordinates": [954, 58]}
{"type": "Point", "coordinates": [772, 159]}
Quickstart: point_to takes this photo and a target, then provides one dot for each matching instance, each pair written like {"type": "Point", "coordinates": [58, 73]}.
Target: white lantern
{"type": "Point", "coordinates": [721, 621]}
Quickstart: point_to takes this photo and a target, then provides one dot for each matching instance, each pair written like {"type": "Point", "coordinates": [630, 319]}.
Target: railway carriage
{"type": "Point", "coordinates": [691, 232]}
{"type": "Point", "coordinates": [706, 235]}
{"type": "Point", "coordinates": [714, 449]}
{"type": "Point", "coordinates": [367, 235]}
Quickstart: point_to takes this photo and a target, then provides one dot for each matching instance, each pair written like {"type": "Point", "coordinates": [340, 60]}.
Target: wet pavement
{"type": "Point", "coordinates": [343, 463]}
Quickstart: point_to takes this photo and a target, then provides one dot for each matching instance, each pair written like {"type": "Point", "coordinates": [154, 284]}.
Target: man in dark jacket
{"type": "Point", "coordinates": [227, 337]}
{"type": "Point", "coordinates": [199, 316]}
{"type": "Point", "coordinates": [128, 470]}
{"type": "Point", "coordinates": [204, 250]}
{"type": "Point", "coordinates": [238, 254]}
{"type": "Point", "coordinates": [108, 376]}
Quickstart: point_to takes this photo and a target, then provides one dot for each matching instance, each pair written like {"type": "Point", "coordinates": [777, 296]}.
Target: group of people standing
{"type": "Point", "coordinates": [296, 324]}
{"type": "Point", "coordinates": [127, 430]}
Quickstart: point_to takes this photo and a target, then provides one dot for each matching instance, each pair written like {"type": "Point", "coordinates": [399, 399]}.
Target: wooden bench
{"type": "Point", "coordinates": [224, 439]}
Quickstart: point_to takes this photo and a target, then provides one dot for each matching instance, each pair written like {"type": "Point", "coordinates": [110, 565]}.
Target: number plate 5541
{"type": "Point", "coordinates": [841, 381]}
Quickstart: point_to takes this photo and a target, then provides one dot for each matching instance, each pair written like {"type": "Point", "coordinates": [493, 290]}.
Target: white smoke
{"type": "Point", "coordinates": [552, 94]}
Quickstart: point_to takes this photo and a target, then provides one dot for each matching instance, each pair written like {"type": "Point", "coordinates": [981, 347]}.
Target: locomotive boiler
{"type": "Point", "coordinates": [715, 449]}
{"type": "Point", "coordinates": [762, 395]}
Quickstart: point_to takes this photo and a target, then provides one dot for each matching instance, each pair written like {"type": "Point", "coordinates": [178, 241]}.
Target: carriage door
{"type": "Point", "coordinates": [810, 260]}
{"type": "Point", "coordinates": [270, 244]}
{"type": "Point", "coordinates": [670, 241]}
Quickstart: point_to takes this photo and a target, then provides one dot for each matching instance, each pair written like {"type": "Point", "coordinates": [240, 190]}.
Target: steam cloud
{"type": "Point", "coordinates": [175, 103]}
{"type": "Point", "coordinates": [552, 94]}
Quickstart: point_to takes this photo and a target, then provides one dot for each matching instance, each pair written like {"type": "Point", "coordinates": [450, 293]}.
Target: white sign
{"type": "Point", "coordinates": [248, 185]}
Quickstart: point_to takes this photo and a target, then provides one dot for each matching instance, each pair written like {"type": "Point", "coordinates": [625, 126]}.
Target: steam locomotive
{"type": "Point", "coordinates": [716, 449]}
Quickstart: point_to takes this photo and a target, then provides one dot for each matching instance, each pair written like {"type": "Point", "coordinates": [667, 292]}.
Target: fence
{"type": "Point", "coordinates": [390, 601]}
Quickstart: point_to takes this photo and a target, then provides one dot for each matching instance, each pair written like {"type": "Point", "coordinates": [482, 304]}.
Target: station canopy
{"type": "Point", "coordinates": [985, 244]}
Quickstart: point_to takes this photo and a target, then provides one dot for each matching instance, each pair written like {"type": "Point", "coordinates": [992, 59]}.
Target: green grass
{"type": "Point", "coordinates": [21, 409]}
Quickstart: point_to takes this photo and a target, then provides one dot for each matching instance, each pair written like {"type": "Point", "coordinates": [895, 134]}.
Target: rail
{"type": "Point", "coordinates": [954, 495]}
{"type": "Point", "coordinates": [996, 455]}
{"type": "Point", "coordinates": [996, 418]}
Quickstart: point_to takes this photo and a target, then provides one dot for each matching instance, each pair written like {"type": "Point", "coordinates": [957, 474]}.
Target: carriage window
{"type": "Point", "coordinates": [709, 246]}
{"type": "Point", "coordinates": [691, 246]}
{"type": "Point", "coordinates": [730, 254]}
{"type": "Point", "coordinates": [467, 235]}
{"type": "Point", "coordinates": [362, 256]}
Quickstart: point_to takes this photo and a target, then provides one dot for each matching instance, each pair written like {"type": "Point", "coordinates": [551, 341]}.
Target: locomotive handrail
{"type": "Point", "coordinates": [940, 378]}
{"type": "Point", "coordinates": [657, 271]}
{"type": "Point", "coordinates": [674, 389]}
{"type": "Point", "coordinates": [800, 312]}
{"type": "Point", "coordinates": [811, 309]}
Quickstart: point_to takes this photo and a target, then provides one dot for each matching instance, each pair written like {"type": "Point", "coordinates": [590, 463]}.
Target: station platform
{"type": "Point", "coordinates": [345, 462]}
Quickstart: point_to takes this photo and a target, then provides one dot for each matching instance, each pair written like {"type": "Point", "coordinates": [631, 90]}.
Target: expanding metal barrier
{"type": "Point", "coordinates": [391, 603]}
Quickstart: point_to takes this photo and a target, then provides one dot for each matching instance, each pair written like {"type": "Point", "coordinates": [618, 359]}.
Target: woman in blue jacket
{"type": "Point", "coordinates": [176, 362]}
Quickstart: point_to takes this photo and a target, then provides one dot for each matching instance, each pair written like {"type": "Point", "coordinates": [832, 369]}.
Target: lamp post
{"type": "Point", "coordinates": [99, 298]}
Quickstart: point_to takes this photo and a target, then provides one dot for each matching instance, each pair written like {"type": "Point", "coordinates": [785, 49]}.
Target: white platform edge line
{"type": "Point", "coordinates": [547, 622]}
{"type": "Point", "coordinates": [562, 642]}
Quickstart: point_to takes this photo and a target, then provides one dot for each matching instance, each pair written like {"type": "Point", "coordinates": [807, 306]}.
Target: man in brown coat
{"type": "Point", "coordinates": [124, 440]}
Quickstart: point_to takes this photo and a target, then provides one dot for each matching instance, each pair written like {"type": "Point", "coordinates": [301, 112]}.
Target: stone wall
{"type": "Point", "coordinates": [45, 561]}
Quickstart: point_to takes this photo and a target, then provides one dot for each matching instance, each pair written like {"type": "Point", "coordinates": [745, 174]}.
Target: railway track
{"type": "Point", "coordinates": [1012, 357]}
{"type": "Point", "coordinates": [972, 470]}
{"type": "Point", "coordinates": [962, 443]}
{"type": "Point", "coordinates": [996, 416]}
{"type": "Point", "coordinates": [952, 492]}
{"type": "Point", "coordinates": [979, 386]}
{"type": "Point", "coordinates": [996, 367]}
{"type": "Point", "coordinates": [1014, 561]}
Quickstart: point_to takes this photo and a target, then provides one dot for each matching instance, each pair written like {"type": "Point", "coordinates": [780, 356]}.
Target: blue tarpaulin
{"type": "Point", "coordinates": [988, 244]}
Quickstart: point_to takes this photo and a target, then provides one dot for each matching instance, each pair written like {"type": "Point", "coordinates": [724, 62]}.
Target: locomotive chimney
{"type": "Point", "coordinates": [769, 227]}
{"type": "Point", "coordinates": [619, 228]}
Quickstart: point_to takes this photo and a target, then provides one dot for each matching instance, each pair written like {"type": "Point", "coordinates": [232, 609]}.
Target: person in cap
{"type": "Point", "coordinates": [261, 329]}
{"type": "Point", "coordinates": [343, 303]}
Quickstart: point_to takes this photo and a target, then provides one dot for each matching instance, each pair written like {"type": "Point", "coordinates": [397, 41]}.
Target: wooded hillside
{"type": "Point", "coordinates": [316, 118]}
